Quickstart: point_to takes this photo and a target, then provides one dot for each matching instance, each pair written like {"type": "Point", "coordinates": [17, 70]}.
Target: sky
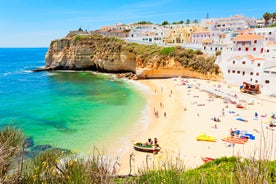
{"type": "Point", "coordinates": [34, 23]}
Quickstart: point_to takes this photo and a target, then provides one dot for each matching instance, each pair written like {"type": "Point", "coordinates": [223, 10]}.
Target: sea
{"type": "Point", "coordinates": [66, 109]}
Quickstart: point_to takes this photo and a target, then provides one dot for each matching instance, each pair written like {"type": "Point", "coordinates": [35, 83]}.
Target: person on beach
{"type": "Point", "coordinates": [232, 132]}
{"type": "Point", "coordinates": [155, 142]}
{"type": "Point", "coordinates": [165, 115]}
{"type": "Point", "coordinates": [256, 115]}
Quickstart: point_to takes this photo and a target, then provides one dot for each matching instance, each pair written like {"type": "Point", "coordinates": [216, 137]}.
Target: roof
{"type": "Point", "coordinates": [199, 32]}
{"type": "Point", "coordinates": [248, 37]}
{"type": "Point", "coordinates": [250, 57]}
{"type": "Point", "coordinates": [271, 44]}
{"type": "Point", "coordinates": [246, 30]}
{"type": "Point", "coordinates": [207, 40]}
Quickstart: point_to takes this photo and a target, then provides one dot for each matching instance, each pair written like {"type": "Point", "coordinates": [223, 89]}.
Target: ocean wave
{"type": "Point", "coordinates": [17, 72]}
{"type": "Point", "coordinates": [7, 73]}
{"type": "Point", "coordinates": [27, 71]}
{"type": "Point", "coordinates": [51, 73]}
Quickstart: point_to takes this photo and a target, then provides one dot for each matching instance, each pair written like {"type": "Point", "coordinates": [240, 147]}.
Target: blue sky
{"type": "Point", "coordinates": [34, 23]}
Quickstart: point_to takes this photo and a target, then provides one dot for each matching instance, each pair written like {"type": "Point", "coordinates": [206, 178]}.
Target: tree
{"type": "Point", "coordinates": [273, 17]}
{"type": "Point", "coordinates": [267, 16]}
{"type": "Point", "coordinates": [181, 22]}
{"type": "Point", "coordinates": [195, 21]}
{"type": "Point", "coordinates": [144, 22]}
{"type": "Point", "coordinates": [165, 23]}
{"type": "Point", "coordinates": [188, 21]}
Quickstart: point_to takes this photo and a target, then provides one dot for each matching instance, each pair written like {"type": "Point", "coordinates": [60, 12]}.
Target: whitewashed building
{"type": "Point", "coordinates": [249, 43]}
{"type": "Point", "coordinates": [245, 68]}
{"type": "Point", "coordinates": [269, 81]}
{"type": "Point", "coordinates": [229, 24]}
{"type": "Point", "coordinates": [147, 33]}
{"type": "Point", "coordinates": [269, 33]}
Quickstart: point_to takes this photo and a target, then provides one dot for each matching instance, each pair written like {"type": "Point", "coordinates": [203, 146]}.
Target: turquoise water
{"type": "Point", "coordinates": [72, 110]}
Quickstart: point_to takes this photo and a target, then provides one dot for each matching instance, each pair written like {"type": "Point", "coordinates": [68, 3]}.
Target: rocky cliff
{"type": "Point", "coordinates": [105, 54]}
{"type": "Point", "coordinates": [88, 52]}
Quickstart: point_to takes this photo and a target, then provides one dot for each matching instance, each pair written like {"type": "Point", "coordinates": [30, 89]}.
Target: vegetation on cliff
{"type": "Point", "coordinates": [56, 166]}
{"type": "Point", "coordinates": [147, 56]}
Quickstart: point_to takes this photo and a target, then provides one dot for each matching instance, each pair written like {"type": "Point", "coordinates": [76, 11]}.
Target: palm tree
{"type": "Point", "coordinates": [267, 16]}
{"type": "Point", "coordinates": [195, 21]}
{"type": "Point", "coordinates": [165, 23]}
{"type": "Point", "coordinates": [188, 21]}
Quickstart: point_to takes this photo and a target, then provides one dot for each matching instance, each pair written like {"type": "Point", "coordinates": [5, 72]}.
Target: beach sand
{"type": "Point", "coordinates": [185, 112]}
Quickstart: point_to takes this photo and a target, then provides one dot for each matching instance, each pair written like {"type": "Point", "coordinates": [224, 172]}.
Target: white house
{"type": "Point", "coordinates": [147, 33]}
{"type": "Point", "coordinates": [269, 81]}
{"type": "Point", "coordinates": [269, 33]}
{"type": "Point", "coordinates": [229, 24]}
{"type": "Point", "coordinates": [199, 36]}
{"type": "Point", "coordinates": [249, 43]}
{"type": "Point", "coordinates": [246, 68]}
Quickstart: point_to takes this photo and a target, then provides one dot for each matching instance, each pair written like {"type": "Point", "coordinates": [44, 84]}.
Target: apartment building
{"type": "Point", "coordinates": [148, 33]}
{"type": "Point", "coordinates": [269, 81]}
{"type": "Point", "coordinates": [246, 68]}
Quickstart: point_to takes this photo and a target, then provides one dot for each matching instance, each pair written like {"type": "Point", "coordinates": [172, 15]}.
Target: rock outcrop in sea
{"type": "Point", "coordinates": [112, 55]}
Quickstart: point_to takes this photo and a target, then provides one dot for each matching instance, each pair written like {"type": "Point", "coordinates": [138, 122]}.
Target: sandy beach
{"type": "Point", "coordinates": [185, 109]}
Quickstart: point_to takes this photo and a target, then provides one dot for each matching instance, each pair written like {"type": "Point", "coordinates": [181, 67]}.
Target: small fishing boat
{"type": "Point", "coordinates": [149, 148]}
{"type": "Point", "coordinates": [207, 159]}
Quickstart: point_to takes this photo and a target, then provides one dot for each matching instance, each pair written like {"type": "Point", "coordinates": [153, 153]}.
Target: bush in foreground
{"type": "Point", "coordinates": [57, 166]}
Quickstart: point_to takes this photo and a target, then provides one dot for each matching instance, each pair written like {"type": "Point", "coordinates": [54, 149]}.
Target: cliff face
{"type": "Point", "coordinates": [105, 54]}
{"type": "Point", "coordinates": [88, 53]}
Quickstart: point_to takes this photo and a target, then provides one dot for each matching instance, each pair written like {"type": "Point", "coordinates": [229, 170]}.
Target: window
{"type": "Point", "coordinates": [269, 33]}
{"type": "Point", "coordinates": [251, 79]}
{"type": "Point", "coordinates": [233, 62]}
{"type": "Point", "coordinates": [243, 62]}
{"type": "Point", "coordinates": [255, 41]}
{"type": "Point", "coordinates": [254, 49]}
{"type": "Point", "coordinates": [256, 81]}
{"type": "Point", "coordinates": [228, 71]}
{"type": "Point", "coordinates": [233, 71]}
{"type": "Point", "coordinates": [267, 81]}
{"type": "Point", "coordinates": [251, 73]}
{"type": "Point", "coordinates": [259, 64]}
{"type": "Point", "coordinates": [246, 49]}
{"type": "Point", "coordinates": [243, 73]}
{"type": "Point", "coordinates": [238, 72]}
{"type": "Point", "coordinates": [257, 74]}
{"type": "Point", "coordinates": [239, 49]}
{"type": "Point", "coordinates": [267, 51]}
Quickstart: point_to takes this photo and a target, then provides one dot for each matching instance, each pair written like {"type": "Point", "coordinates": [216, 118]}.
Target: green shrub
{"type": "Point", "coordinates": [77, 38]}
{"type": "Point", "coordinates": [167, 50]}
{"type": "Point", "coordinates": [218, 52]}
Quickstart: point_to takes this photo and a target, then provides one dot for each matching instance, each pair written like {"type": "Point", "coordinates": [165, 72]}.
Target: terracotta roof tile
{"type": "Point", "coordinates": [250, 57]}
{"type": "Point", "coordinates": [248, 37]}
{"type": "Point", "coordinates": [207, 40]}
{"type": "Point", "coordinates": [199, 32]}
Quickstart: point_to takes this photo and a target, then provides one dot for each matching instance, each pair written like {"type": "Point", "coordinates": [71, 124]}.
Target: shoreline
{"type": "Point", "coordinates": [188, 113]}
